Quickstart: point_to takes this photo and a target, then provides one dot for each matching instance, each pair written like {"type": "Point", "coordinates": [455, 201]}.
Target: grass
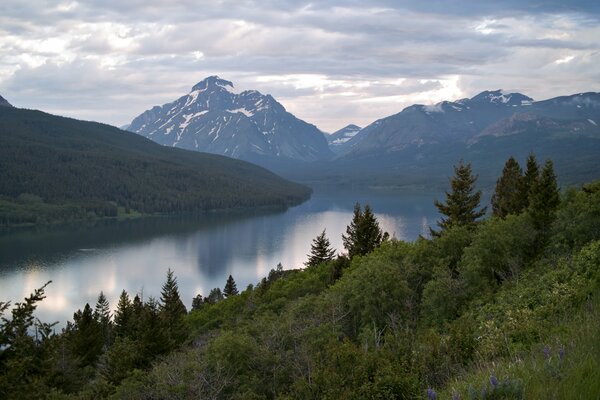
{"type": "Point", "coordinates": [543, 373]}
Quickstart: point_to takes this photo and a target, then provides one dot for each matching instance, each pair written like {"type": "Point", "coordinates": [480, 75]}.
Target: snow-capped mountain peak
{"type": "Point", "coordinates": [501, 97]}
{"type": "Point", "coordinates": [214, 118]}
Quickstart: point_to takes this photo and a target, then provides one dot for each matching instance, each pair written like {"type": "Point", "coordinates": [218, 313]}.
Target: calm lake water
{"type": "Point", "coordinates": [134, 255]}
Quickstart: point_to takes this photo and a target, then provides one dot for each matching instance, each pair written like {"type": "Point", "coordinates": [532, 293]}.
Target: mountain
{"type": "Point", "coordinates": [214, 118]}
{"type": "Point", "coordinates": [338, 140]}
{"type": "Point", "coordinates": [417, 146]}
{"type": "Point", "coordinates": [56, 169]}
{"type": "Point", "coordinates": [4, 102]}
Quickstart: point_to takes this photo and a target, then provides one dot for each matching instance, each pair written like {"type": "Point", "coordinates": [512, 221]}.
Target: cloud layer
{"type": "Point", "coordinates": [331, 62]}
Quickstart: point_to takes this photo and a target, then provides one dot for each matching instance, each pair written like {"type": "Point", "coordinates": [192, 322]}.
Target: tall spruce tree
{"type": "Point", "coordinates": [507, 198]}
{"type": "Point", "coordinates": [462, 202]}
{"type": "Point", "coordinates": [123, 316]}
{"type": "Point", "coordinates": [363, 235]}
{"type": "Point", "coordinates": [230, 288]}
{"type": "Point", "coordinates": [172, 310]}
{"type": "Point", "coordinates": [529, 180]}
{"type": "Point", "coordinates": [544, 199]}
{"type": "Point", "coordinates": [103, 317]}
{"type": "Point", "coordinates": [320, 251]}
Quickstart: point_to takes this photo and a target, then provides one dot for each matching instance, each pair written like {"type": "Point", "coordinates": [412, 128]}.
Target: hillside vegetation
{"type": "Point", "coordinates": [502, 308]}
{"type": "Point", "coordinates": [57, 169]}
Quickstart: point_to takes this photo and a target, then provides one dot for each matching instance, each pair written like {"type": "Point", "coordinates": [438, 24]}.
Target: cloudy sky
{"type": "Point", "coordinates": [330, 63]}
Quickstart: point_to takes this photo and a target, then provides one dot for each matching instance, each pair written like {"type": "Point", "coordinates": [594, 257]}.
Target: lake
{"type": "Point", "coordinates": [109, 256]}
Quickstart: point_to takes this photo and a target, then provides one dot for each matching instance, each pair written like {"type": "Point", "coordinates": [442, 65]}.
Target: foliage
{"type": "Point", "coordinates": [460, 207]}
{"type": "Point", "coordinates": [320, 251]}
{"type": "Point", "coordinates": [57, 169]}
{"type": "Point", "coordinates": [230, 288]}
{"type": "Point", "coordinates": [507, 198]}
{"type": "Point", "coordinates": [363, 235]}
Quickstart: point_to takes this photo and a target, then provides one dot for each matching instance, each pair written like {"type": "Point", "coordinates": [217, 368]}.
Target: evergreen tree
{"type": "Point", "coordinates": [123, 316]}
{"type": "Point", "coordinates": [197, 302]}
{"type": "Point", "coordinates": [172, 311]}
{"type": "Point", "coordinates": [86, 337]}
{"type": "Point", "coordinates": [544, 199]}
{"type": "Point", "coordinates": [529, 180]}
{"type": "Point", "coordinates": [230, 287]}
{"type": "Point", "coordinates": [507, 196]}
{"type": "Point", "coordinates": [460, 208]}
{"type": "Point", "coordinates": [103, 317]}
{"type": "Point", "coordinates": [363, 235]}
{"type": "Point", "coordinates": [214, 296]}
{"type": "Point", "coordinates": [320, 251]}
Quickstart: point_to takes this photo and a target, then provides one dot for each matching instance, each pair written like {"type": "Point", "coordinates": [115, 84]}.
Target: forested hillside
{"type": "Point", "coordinates": [506, 307]}
{"type": "Point", "coordinates": [57, 169]}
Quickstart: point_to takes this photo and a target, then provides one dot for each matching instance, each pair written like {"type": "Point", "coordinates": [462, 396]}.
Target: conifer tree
{"type": "Point", "coordinates": [103, 317]}
{"type": "Point", "coordinates": [363, 235]}
{"type": "Point", "coordinates": [123, 316]}
{"type": "Point", "coordinates": [230, 287]}
{"type": "Point", "coordinates": [507, 196]}
{"type": "Point", "coordinates": [544, 199]}
{"type": "Point", "coordinates": [197, 302]}
{"type": "Point", "coordinates": [86, 337]}
{"type": "Point", "coordinates": [214, 296]}
{"type": "Point", "coordinates": [172, 310]}
{"type": "Point", "coordinates": [320, 251]}
{"type": "Point", "coordinates": [460, 208]}
{"type": "Point", "coordinates": [529, 180]}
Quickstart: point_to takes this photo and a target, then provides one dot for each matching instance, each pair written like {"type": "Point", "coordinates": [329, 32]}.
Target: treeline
{"type": "Point", "coordinates": [504, 307]}
{"type": "Point", "coordinates": [55, 169]}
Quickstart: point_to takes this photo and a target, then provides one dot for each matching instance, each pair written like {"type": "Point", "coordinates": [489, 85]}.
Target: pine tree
{"type": "Point", "coordinates": [230, 287]}
{"type": "Point", "coordinates": [529, 180]}
{"type": "Point", "coordinates": [197, 302]}
{"type": "Point", "coordinates": [103, 317]}
{"type": "Point", "coordinates": [507, 196]}
{"type": "Point", "coordinates": [320, 251]}
{"type": "Point", "coordinates": [462, 201]}
{"type": "Point", "coordinates": [214, 296]}
{"type": "Point", "coordinates": [86, 337]}
{"type": "Point", "coordinates": [363, 235]}
{"type": "Point", "coordinates": [123, 316]}
{"type": "Point", "coordinates": [544, 199]}
{"type": "Point", "coordinates": [172, 310]}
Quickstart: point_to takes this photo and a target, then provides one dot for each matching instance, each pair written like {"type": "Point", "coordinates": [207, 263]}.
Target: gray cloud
{"type": "Point", "coordinates": [330, 62]}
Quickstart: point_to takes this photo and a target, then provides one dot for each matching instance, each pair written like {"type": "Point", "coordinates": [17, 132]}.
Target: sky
{"type": "Point", "coordinates": [330, 63]}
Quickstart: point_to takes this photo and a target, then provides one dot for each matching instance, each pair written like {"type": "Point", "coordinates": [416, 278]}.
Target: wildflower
{"type": "Point", "coordinates": [493, 381]}
{"type": "Point", "coordinates": [546, 352]}
{"type": "Point", "coordinates": [561, 353]}
{"type": "Point", "coordinates": [431, 394]}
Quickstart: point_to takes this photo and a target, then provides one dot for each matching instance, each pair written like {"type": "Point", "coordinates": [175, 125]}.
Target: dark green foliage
{"type": "Point", "coordinates": [544, 199]}
{"type": "Point", "coordinates": [508, 198]}
{"type": "Point", "coordinates": [214, 296]}
{"type": "Point", "coordinates": [460, 208]}
{"type": "Point", "coordinates": [363, 235]}
{"type": "Point", "coordinates": [103, 317]}
{"type": "Point", "coordinates": [230, 287]}
{"type": "Point", "coordinates": [320, 251]}
{"type": "Point", "coordinates": [530, 179]}
{"type": "Point", "coordinates": [197, 302]}
{"type": "Point", "coordinates": [123, 320]}
{"type": "Point", "coordinates": [86, 337]}
{"type": "Point", "coordinates": [59, 169]}
{"type": "Point", "coordinates": [172, 311]}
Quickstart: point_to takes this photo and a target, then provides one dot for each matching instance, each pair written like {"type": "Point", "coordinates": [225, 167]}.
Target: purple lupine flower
{"type": "Point", "coordinates": [493, 381]}
{"type": "Point", "coordinates": [455, 396]}
{"type": "Point", "coordinates": [561, 353]}
{"type": "Point", "coordinates": [431, 394]}
{"type": "Point", "coordinates": [546, 352]}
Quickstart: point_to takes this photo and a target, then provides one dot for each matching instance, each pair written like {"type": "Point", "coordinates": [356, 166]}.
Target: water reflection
{"type": "Point", "coordinates": [134, 255]}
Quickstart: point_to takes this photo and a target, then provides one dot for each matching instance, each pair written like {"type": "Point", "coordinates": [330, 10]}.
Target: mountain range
{"type": "Point", "coordinates": [214, 118]}
{"type": "Point", "coordinates": [416, 146]}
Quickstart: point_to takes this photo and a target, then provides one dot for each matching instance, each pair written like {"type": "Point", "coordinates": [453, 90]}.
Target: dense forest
{"type": "Point", "coordinates": [499, 307]}
{"type": "Point", "coordinates": [56, 169]}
